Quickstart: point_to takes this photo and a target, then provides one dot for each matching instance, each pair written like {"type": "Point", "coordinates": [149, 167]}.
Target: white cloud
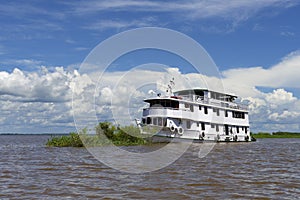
{"type": "Point", "coordinates": [44, 98]}
{"type": "Point", "coordinates": [214, 7]}
{"type": "Point", "coordinates": [81, 48]}
{"type": "Point", "coordinates": [244, 80]}
{"type": "Point", "coordinates": [20, 86]}
{"type": "Point", "coordinates": [106, 95]}
{"type": "Point", "coordinates": [23, 62]}
{"type": "Point", "coordinates": [122, 24]}
{"type": "Point", "coordinates": [27, 62]}
{"type": "Point", "coordinates": [239, 10]}
{"type": "Point", "coordinates": [280, 96]}
{"type": "Point", "coordinates": [287, 34]}
{"type": "Point", "coordinates": [273, 111]}
{"type": "Point", "coordinates": [39, 101]}
{"type": "Point", "coordinates": [231, 13]}
{"type": "Point", "coordinates": [284, 115]}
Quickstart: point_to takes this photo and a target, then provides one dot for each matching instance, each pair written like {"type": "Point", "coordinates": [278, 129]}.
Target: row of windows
{"type": "Point", "coordinates": [217, 127]}
{"type": "Point", "coordinates": [230, 129]}
{"type": "Point", "coordinates": [161, 121]}
{"type": "Point", "coordinates": [166, 103]}
{"type": "Point", "coordinates": [237, 129]}
{"type": "Point", "coordinates": [235, 114]}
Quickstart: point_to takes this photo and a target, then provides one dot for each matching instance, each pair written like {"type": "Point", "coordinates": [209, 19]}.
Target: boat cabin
{"type": "Point", "coordinates": [205, 94]}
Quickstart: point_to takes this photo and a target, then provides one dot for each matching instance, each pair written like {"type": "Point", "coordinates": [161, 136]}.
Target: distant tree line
{"type": "Point", "coordinates": [278, 134]}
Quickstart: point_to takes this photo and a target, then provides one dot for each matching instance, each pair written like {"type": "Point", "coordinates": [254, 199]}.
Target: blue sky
{"type": "Point", "coordinates": [42, 39]}
{"type": "Point", "coordinates": [62, 33]}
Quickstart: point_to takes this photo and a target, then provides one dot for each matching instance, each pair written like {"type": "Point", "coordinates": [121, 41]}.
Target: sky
{"type": "Point", "coordinates": [254, 45]}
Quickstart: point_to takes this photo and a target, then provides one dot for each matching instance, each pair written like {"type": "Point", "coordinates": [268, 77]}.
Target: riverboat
{"type": "Point", "coordinates": [195, 114]}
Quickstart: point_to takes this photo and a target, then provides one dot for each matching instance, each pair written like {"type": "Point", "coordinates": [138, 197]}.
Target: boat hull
{"type": "Point", "coordinates": [194, 136]}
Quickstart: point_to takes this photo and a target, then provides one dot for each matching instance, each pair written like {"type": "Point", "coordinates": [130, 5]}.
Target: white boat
{"type": "Point", "coordinates": [195, 114]}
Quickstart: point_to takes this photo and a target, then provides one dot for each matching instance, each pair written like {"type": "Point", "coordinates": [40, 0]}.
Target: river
{"type": "Point", "coordinates": [266, 169]}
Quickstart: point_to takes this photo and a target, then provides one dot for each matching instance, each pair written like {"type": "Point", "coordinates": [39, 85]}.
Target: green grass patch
{"type": "Point", "coordinates": [71, 140]}
{"type": "Point", "coordinates": [106, 134]}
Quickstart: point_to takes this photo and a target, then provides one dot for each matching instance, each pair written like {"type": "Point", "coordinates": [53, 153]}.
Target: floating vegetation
{"type": "Point", "coordinates": [71, 140]}
{"type": "Point", "coordinates": [106, 133]}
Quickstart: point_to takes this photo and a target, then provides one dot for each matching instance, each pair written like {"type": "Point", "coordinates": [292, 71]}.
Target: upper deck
{"type": "Point", "coordinates": [202, 96]}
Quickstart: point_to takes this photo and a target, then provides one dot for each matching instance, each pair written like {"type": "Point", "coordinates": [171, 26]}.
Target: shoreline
{"type": "Point", "coordinates": [276, 135]}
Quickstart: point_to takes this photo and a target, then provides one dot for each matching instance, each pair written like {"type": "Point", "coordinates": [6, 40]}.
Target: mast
{"type": "Point", "coordinates": [170, 87]}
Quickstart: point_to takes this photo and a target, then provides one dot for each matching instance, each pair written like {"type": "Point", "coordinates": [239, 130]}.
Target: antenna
{"type": "Point", "coordinates": [170, 86]}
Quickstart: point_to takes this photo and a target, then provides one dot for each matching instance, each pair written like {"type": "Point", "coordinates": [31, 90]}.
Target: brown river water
{"type": "Point", "coordinates": [266, 169]}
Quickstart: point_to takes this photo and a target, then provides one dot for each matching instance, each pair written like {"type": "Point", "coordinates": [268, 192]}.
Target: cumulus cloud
{"type": "Point", "coordinates": [49, 99]}
{"type": "Point", "coordinates": [275, 111]}
{"type": "Point", "coordinates": [20, 86]}
{"type": "Point", "coordinates": [272, 111]}
{"type": "Point", "coordinates": [244, 80]}
{"type": "Point", "coordinates": [39, 101]}
{"type": "Point", "coordinates": [280, 96]}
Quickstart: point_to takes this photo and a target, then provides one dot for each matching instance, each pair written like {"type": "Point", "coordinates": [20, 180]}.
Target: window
{"type": "Point", "coordinates": [236, 114]}
{"type": "Point", "coordinates": [186, 105]}
{"type": "Point", "coordinates": [197, 124]}
{"type": "Point", "coordinates": [148, 120]}
{"type": "Point", "coordinates": [199, 107]}
{"type": "Point", "coordinates": [237, 129]}
{"type": "Point", "coordinates": [212, 126]}
{"type": "Point", "coordinates": [246, 129]}
{"type": "Point", "coordinates": [226, 113]}
{"type": "Point", "coordinates": [168, 104]}
{"type": "Point", "coordinates": [154, 121]}
{"type": "Point", "coordinates": [192, 108]}
{"type": "Point", "coordinates": [164, 121]}
{"type": "Point", "coordinates": [159, 121]}
{"type": "Point", "coordinates": [188, 124]}
{"type": "Point", "coordinates": [144, 121]}
{"type": "Point", "coordinates": [216, 110]}
{"type": "Point", "coordinates": [175, 104]}
{"type": "Point", "coordinates": [203, 126]}
{"type": "Point", "coordinates": [205, 110]}
{"type": "Point", "coordinates": [164, 103]}
{"type": "Point", "coordinates": [217, 127]}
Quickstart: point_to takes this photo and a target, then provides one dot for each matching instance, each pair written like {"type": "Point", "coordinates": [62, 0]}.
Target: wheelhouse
{"type": "Point", "coordinates": [163, 103]}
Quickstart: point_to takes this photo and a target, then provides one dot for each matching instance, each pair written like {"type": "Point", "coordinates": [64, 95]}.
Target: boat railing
{"type": "Point", "coordinates": [215, 102]}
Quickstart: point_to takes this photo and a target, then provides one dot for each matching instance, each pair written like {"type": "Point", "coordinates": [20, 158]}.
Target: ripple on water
{"type": "Point", "coordinates": [267, 169]}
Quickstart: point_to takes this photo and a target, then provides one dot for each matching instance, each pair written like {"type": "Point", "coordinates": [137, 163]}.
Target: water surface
{"type": "Point", "coordinates": [266, 169]}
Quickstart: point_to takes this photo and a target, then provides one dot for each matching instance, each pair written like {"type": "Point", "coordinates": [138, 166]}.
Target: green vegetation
{"type": "Point", "coordinates": [276, 135]}
{"type": "Point", "coordinates": [127, 135]}
{"type": "Point", "coordinates": [71, 140]}
{"type": "Point", "coordinates": [106, 134]}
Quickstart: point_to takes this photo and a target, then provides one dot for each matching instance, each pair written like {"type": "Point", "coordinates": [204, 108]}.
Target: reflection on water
{"type": "Point", "coordinates": [268, 168]}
